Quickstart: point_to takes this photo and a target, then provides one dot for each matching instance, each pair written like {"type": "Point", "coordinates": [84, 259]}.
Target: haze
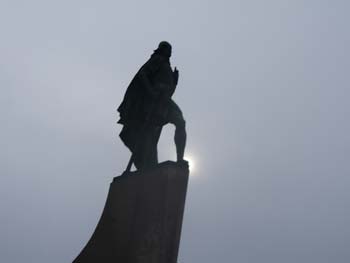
{"type": "Point", "coordinates": [264, 87]}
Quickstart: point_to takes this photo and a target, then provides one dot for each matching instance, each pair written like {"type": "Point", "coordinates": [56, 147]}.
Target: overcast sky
{"type": "Point", "coordinates": [264, 88]}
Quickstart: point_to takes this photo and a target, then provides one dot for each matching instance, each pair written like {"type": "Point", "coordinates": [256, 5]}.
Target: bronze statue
{"type": "Point", "coordinates": [147, 106]}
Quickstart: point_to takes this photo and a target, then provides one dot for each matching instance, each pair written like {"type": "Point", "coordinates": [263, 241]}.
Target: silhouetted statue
{"type": "Point", "coordinates": [147, 107]}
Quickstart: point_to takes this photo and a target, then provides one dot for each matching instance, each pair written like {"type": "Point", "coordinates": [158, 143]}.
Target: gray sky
{"type": "Point", "coordinates": [264, 87]}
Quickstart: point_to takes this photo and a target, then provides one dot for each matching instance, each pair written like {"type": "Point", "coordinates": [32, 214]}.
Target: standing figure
{"type": "Point", "coordinates": [147, 106]}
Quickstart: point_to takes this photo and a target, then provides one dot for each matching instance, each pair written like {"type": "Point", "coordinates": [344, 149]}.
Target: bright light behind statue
{"type": "Point", "coordinates": [191, 163]}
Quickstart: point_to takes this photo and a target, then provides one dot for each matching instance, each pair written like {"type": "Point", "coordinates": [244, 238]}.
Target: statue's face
{"type": "Point", "coordinates": [168, 52]}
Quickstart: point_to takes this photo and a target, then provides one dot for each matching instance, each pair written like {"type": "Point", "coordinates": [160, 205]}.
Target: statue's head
{"type": "Point", "coordinates": [164, 49]}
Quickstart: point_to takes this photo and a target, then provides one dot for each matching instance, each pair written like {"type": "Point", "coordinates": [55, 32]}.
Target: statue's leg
{"type": "Point", "coordinates": [154, 144]}
{"type": "Point", "coordinates": [180, 139]}
{"type": "Point", "coordinates": [139, 151]}
{"type": "Point", "coordinates": [175, 117]}
{"type": "Point", "coordinates": [138, 160]}
{"type": "Point", "coordinates": [149, 146]}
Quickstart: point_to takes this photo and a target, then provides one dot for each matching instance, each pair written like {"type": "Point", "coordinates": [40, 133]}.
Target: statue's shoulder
{"type": "Point", "coordinates": [156, 59]}
{"type": "Point", "coordinates": [153, 64]}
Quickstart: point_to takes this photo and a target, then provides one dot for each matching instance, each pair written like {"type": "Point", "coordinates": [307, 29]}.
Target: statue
{"type": "Point", "coordinates": [147, 106]}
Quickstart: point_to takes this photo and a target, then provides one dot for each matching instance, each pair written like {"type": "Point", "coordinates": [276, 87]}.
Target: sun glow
{"type": "Point", "coordinates": [191, 162]}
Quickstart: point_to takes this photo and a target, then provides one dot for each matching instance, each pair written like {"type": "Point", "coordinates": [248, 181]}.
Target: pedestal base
{"type": "Point", "coordinates": [142, 218]}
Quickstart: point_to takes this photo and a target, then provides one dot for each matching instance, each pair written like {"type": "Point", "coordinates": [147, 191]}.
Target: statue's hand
{"type": "Point", "coordinates": [176, 75]}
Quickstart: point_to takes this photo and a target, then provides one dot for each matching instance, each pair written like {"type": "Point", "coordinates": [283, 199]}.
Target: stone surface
{"type": "Point", "coordinates": [142, 218]}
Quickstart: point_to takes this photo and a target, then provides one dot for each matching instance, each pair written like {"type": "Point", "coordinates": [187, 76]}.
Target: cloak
{"type": "Point", "coordinates": [137, 103]}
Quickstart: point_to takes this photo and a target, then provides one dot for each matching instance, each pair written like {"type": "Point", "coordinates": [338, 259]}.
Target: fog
{"type": "Point", "coordinates": [264, 88]}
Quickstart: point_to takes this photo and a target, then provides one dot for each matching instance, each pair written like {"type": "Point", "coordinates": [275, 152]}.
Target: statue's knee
{"type": "Point", "coordinates": [181, 124]}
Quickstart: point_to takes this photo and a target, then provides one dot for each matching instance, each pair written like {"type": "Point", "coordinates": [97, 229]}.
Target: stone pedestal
{"type": "Point", "coordinates": [142, 218]}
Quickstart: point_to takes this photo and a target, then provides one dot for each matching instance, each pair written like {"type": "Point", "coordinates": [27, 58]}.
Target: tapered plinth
{"type": "Point", "coordinates": [142, 218]}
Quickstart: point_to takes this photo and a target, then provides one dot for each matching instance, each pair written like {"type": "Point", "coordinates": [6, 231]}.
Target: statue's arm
{"type": "Point", "coordinates": [176, 78]}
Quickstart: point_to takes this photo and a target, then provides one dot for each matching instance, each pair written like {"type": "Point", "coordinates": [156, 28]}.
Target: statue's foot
{"type": "Point", "coordinates": [183, 163]}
